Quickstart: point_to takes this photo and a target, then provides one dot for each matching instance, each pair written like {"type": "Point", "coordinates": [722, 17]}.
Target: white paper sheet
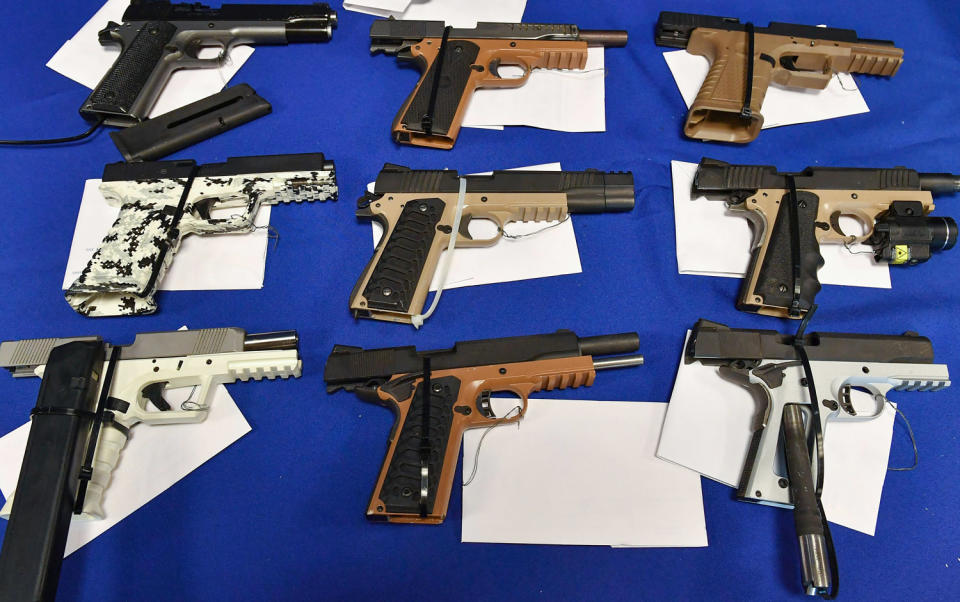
{"type": "Point", "coordinates": [458, 13]}
{"type": "Point", "coordinates": [710, 421]}
{"type": "Point", "coordinates": [154, 458]}
{"type": "Point", "coordinates": [532, 486]}
{"type": "Point", "coordinates": [551, 252]}
{"type": "Point", "coordinates": [567, 101]}
{"type": "Point", "coordinates": [380, 8]}
{"type": "Point", "coordinates": [714, 242]}
{"type": "Point", "coordinates": [223, 262]}
{"type": "Point", "coordinates": [781, 105]}
{"type": "Point", "coordinates": [85, 61]}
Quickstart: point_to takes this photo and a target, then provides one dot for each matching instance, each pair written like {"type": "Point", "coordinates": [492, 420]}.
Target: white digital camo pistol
{"type": "Point", "coordinates": [162, 202]}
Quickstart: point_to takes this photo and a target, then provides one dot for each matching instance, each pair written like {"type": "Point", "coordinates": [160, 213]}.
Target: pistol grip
{"type": "Point", "coordinates": [768, 286]}
{"type": "Point", "coordinates": [717, 112]}
{"type": "Point", "coordinates": [124, 273]}
{"type": "Point", "coordinates": [110, 444]}
{"type": "Point", "coordinates": [395, 283]}
{"type": "Point", "coordinates": [397, 496]}
{"type": "Point", "coordinates": [416, 123]}
{"type": "Point", "coordinates": [128, 91]}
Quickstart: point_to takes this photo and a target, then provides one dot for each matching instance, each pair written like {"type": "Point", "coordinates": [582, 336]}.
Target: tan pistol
{"type": "Point", "coordinates": [418, 212]}
{"type": "Point", "coordinates": [454, 62]}
{"type": "Point", "coordinates": [437, 395]}
{"type": "Point", "coordinates": [791, 214]}
{"type": "Point", "coordinates": [744, 59]}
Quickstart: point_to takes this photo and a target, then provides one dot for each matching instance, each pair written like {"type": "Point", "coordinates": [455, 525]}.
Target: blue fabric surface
{"type": "Point", "coordinates": [280, 513]}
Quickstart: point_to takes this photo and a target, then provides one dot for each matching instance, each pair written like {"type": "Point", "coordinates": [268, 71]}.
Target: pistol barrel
{"type": "Point", "coordinates": [624, 361]}
{"type": "Point", "coordinates": [271, 341]}
{"type": "Point", "coordinates": [610, 38]}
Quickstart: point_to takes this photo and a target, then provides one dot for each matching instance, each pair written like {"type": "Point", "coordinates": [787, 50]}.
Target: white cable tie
{"type": "Point", "coordinates": [419, 319]}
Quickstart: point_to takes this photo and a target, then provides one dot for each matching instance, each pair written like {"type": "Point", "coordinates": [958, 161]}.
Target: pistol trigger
{"type": "Point", "coordinates": [368, 198]}
{"type": "Point", "coordinates": [845, 401]}
{"type": "Point", "coordinates": [154, 393]}
{"type": "Point", "coordinates": [483, 405]}
{"type": "Point", "coordinates": [464, 230]}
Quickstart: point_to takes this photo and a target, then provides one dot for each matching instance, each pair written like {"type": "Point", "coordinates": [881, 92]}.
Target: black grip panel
{"type": "Point", "coordinates": [401, 487]}
{"type": "Point", "coordinates": [122, 85]}
{"type": "Point", "coordinates": [395, 277]}
{"type": "Point", "coordinates": [775, 283]}
{"type": "Point", "coordinates": [458, 59]}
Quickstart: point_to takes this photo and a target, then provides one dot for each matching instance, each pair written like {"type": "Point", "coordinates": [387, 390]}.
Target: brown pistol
{"type": "Point", "coordinates": [417, 474]}
{"type": "Point", "coordinates": [455, 62]}
{"type": "Point", "coordinates": [792, 213]}
{"type": "Point", "coordinates": [744, 59]}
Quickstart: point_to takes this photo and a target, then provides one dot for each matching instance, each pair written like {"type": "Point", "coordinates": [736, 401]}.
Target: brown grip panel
{"type": "Point", "coordinates": [455, 399]}
{"type": "Point", "coordinates": [716, 112]}
{"type": "Point", "coordinates": [468, 65]}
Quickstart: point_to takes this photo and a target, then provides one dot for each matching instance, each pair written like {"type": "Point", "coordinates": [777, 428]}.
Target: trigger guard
{"type": "Point", "coordinates": [494, 69]}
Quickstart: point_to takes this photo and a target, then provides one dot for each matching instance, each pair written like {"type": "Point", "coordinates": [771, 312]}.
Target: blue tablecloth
{"type": "Point", "coordinates": [280, 513]}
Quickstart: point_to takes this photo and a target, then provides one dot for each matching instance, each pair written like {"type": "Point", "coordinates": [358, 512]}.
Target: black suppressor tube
{"type": "Point", "coordinates": [940, 183]}
{"type": "Point", "coordinates": [614, 194]}
{"type": "Point", "coordinates": [815, 573]}
{"type": "Point", "coordinates": [610, 344]}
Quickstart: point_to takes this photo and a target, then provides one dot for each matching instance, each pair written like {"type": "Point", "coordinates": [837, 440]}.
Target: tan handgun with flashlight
{"type": "Point", "coordinates": [791, 214]}
{"type": "Point", "coordinates": [745, 59]}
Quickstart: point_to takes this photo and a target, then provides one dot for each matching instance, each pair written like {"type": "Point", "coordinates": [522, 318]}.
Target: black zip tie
{"type": "Point", "coordinates": [425, 439]}
{"type": "Point", "coordinates": [794, 212]}
{"type": "Point", "coordinates": [86, 470]}
{"type": "Point", "coordinates": [426, 122]}
{"type": "Point", "coordinates": [746, 113]}
{"type": "Point", "coordinates": [174, 231]}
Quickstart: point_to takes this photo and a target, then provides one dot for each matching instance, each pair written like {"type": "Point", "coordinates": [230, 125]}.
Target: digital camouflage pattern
{"type": "Point", "coordinates": [123, 275]}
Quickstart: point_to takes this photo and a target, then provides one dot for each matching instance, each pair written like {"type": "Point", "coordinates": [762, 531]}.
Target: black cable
{"type": "Point", "coordinates": [93, 128]}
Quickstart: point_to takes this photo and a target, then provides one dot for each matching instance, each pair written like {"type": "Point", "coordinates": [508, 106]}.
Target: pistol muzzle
{"type": "Point", "coordinates": [609, 38]}
{"type": "Point", "coordinates": [272, 341]}
{"type": "Point", "coordinates": [940, 183]}
{"type": "Point", "coordinates": [311, 29]}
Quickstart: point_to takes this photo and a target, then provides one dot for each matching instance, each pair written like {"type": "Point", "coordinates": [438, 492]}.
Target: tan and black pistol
{"type": "Point", "coordinates": [791, 214]}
